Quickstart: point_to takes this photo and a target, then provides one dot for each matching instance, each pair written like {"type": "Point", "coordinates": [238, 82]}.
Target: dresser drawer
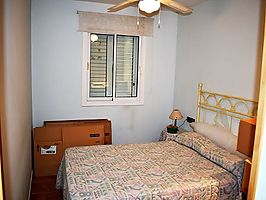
{"type": "Point", "coordinates": [83, 135]}
{"type": "Point", "coordinates": [47, 164]}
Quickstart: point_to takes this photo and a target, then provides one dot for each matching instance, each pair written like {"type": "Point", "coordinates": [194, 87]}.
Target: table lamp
{"type": "Point", "coordinates": [176, 115]}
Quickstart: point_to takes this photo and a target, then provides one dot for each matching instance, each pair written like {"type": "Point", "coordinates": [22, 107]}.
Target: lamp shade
{"type": "Point", "coordinates": [176, 114]}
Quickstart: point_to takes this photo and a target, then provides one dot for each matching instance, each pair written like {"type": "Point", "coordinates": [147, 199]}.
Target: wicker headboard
{"type": "Point", "coordinates": [231, 106]}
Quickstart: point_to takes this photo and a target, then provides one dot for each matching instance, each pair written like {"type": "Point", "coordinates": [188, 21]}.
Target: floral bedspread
{"type": "Point", "coordinates": [160, 170]}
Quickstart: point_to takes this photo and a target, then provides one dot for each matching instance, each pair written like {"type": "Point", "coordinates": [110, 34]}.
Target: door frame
{"type": "Point", "coordinates": [261, 116]}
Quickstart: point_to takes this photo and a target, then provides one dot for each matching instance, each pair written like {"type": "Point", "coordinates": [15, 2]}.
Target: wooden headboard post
{"type": "Point", "coordinates": [200, 85]}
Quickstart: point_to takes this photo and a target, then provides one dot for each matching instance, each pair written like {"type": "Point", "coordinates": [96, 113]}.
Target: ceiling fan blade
{"type": "Point", "coordinates": [121, 6]}
{"type": "Point", "coordinates": [180, 8]}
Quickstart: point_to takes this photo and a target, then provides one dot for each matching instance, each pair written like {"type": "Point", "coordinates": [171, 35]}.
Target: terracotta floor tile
{"type": "Point", "coordinates": [43, 188]}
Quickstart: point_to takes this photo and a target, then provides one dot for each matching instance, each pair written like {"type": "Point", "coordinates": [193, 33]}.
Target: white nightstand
{"type": "Point", "coordinates": [165, 136]}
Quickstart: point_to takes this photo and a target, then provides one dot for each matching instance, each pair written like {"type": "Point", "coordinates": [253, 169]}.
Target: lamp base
{"type": "Point", "coordinates": [172, 129]}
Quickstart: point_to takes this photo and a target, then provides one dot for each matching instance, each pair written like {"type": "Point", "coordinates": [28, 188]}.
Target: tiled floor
{"type": "Point", "coordinates": [43, 188]}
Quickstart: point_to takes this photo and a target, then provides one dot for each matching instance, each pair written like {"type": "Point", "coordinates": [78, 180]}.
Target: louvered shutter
{"type": "Point", "coordinates": [101, 66]}
{"type": "Point", "coordinates": [127, 66]}
{"type": "Point", "coordinates": [101, 61]}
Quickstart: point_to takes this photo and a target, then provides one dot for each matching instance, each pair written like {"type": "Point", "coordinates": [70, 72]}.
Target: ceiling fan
{"type": "Point", "coordinates": [150, 6]}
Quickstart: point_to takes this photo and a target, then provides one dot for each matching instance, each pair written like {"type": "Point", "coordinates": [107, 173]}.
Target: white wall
{"type": "Point", "coordinates": [16, 99]}
{"type": "Point", "coordinates": [217, 45]}
{"type": "Point", "coordinates": [56, 72]}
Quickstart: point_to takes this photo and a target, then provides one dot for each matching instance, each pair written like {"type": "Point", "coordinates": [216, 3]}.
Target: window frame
{"type": "Point", "coordinates": [111, 101]}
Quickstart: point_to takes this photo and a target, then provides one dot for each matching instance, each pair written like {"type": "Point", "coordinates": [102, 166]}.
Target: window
{"type": "Point", "coordinates": [111, 70]}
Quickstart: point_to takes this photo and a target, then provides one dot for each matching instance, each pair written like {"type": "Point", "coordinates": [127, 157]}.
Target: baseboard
{"type": "Point", "coordinates": [31, 176]}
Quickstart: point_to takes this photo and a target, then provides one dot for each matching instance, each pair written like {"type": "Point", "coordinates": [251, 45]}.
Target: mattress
{"type": "Point", "coordinates": [189, 168]}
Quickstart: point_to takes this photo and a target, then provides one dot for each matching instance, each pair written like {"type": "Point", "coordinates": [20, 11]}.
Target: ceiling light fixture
{"type": "Point", "coordinates": [149, 6]}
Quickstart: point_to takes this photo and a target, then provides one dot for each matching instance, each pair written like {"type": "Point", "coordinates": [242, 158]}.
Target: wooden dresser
{"type": "Point", "coordinates": [51, 140]}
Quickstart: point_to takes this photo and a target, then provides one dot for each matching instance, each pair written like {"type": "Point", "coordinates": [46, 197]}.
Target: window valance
{"type": "Point", "coordinates": [114, 24]}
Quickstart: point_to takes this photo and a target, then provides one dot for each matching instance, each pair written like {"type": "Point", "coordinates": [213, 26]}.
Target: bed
{"type": "Point", "coordinates": [189, 167]}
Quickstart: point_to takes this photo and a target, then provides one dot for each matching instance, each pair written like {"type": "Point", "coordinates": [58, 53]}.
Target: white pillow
{"type": "Point", "coordinates": [221, 120]}
{"type": "Point", "coordinates": [218, 135]}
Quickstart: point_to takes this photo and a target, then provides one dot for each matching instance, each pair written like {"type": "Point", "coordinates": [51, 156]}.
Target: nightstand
{"type": "Point", "coordinates": [165, 136]}
{"type": "Point", "coordinates": [245, 143]}
{"type": "Point", "coordinates": [246, 175]}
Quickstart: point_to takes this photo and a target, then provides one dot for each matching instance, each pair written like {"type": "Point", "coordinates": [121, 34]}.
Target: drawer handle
{"type": "Point", "coordinates": [94, 135]}
{"type": "Point", "coordinates": [46, 146]}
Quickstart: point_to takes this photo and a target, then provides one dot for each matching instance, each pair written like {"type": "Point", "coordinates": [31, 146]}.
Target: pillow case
{"type": "Point", "coordinates": [212, 152]}
{"type": "Point", "coordinates": [216, 134]}
{"type": "Point", "coordinates": [221, 119]}
{"type": "Point", "coordinates": [220, 136]}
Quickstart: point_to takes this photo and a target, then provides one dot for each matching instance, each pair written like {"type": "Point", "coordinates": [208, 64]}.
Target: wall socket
{"type": "Point", "coordinates": [190, 119]}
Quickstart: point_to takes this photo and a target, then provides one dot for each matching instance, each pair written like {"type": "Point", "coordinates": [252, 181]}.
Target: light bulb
{"type": "Point", "coordinates": [156, 5]}
{"type": "Point", "coordinates": [149, 6]}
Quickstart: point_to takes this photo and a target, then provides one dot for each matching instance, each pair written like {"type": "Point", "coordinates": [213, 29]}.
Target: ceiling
{"type": "Point", "coordinates": [190, 3]}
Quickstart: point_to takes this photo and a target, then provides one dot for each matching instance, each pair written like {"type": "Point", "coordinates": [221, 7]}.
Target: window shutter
{"type": "Point", "coordinates": [101, 60]}
{"type": "Point", "coordinates": [127, 66]}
